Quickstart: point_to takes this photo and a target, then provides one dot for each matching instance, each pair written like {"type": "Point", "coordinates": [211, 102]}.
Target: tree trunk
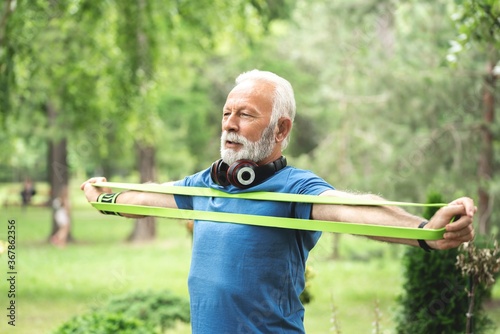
{"type": "Point", "coordinates": [57, 165]}
{"type": "Point", "coordinates": [485, 168]}
{"type": "Point", "coordinates": [145, 228]}
{"type": "Point", "coordinates": [6, 11]}
{"type": "Point", "coordinates": [384, 26]}
{"type": "Point", "coordinates": [469, 324]}
{"type": "Point", "coordinates": [6, 62]}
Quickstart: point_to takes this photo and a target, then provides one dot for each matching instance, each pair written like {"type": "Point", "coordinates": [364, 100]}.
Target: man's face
{"type": "Point", "coordinates": [246, 132]}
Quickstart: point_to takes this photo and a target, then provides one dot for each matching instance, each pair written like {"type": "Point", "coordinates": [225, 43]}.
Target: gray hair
{"type": "Point", "coordinates": [284, 99]}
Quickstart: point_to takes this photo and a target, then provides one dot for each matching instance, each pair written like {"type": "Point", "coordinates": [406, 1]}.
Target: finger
{"type": "Point", "coordinates": [92, 180]}
{"type": "Point", "coordinates": [468, 204]}
{"type": "Point", "coordinates": [451, 211]}
{"type": "Point", "coordinates": [464, 234]}
{"type": "Point", "coordinates": [88, 185]}
{"type": "Point", "coordinates": [461, 223]}
{"type": "Point", "coordinates": [450, 242]}
{"type": "Point", "coordinates": [82, 186]}
{"type": "Point", "coordinates": [97, 179]}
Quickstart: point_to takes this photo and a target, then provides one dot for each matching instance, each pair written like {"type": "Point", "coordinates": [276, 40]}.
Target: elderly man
{"type": "Point", "coordinates": [247, 279]}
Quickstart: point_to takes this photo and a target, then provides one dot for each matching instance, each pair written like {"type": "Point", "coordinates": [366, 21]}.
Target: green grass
{"type": "Point", "coordinates": [55, 284]}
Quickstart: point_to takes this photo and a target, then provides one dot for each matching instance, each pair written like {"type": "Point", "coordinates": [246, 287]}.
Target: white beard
{"type": "Point", "coordinates": [254, 151]}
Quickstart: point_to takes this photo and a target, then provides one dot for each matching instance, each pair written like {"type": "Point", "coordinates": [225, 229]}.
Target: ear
{"type": "Point", "coordinates": [284, 127]}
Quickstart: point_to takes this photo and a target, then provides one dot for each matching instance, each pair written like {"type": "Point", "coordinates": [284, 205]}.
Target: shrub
{"type": "Point", "coordinates": [306, 296]}
{"type": "Point", "coordinates": [435, 298]}
{"type": "Point", "coordinates": [104, 323]}
{"type": "Point", "coordinates": [161, 309]}
{"type": "Point", "coordinates": [481, 266]}
{"type": "Point", "coordinates": [138, 312]}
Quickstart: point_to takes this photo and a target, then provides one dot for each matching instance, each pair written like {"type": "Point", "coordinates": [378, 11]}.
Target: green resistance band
{"type": "Point", "coordinates": [280, 222]}
{"type": "Point", "coordinates": [267, 221]}
{"type": "Point", "coordinates": [256, 195]}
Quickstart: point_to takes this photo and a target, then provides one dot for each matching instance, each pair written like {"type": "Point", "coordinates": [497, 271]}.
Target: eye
{"type": "Point", "coordinates": [245, 114]}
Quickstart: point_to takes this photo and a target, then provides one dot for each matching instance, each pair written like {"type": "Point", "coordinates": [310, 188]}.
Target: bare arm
{"type": "Point", "coordinates": [129, 197]}
{"type": "Point", "coordinates": [456, 233]}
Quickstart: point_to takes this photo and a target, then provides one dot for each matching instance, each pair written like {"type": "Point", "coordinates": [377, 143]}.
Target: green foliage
{"type": "Point", "coordinates": [64, 283]}
{"type": "Point", "coordinates": [435, 298]}
{"type": "Point", "coordinates": [105, 323]}
{"type": "Point", "coordinates": [393, 116]}
{"type": "Point", "coordinates": [116, 61]}
{"type": "Point", "coordinates": [432, 197]}
{"type": "Point", "coordinates": [273, 9]}
{"type": "Point", "coordinates": [138, 312]}
{"type": "Point", "coordinates": [306, 296]}
{"type": "Point", "coordinates": [162, 309]}
{"type": "Point", "coordinates": [477, 21]}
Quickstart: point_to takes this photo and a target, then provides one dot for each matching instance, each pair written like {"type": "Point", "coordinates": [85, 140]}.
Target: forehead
{"type": "Point", "coordinates": [252, 93]}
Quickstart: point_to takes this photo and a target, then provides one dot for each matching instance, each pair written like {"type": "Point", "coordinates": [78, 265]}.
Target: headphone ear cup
{"type": "Point", "coordinates": [242, 173]}
{"type": "Point", "coordinates": [218, 172]}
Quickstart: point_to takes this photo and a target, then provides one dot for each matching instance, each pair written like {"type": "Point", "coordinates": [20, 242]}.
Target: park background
{"type": "Point", "coordinates": [396, 98]}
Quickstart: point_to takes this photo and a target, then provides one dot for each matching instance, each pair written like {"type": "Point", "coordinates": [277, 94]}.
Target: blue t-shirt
{"type": "Point", "coordinates": [243, 278]}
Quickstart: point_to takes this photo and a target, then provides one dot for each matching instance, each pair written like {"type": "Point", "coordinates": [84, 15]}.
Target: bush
{"type": "Point", "coordinates": [435, 298]}
{"type": "Point", "coordinates": [161, 309]}
{"type": "Point", "coordinates": [138, 312]}
{"type": "Point", "coordinates": [306, 296]}
{"type": "Point", "coordinates": [105, 323]}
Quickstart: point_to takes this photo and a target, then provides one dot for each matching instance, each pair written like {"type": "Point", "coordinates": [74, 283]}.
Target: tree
{"type": "Point", "coordinates": [401, 123]}
{"type": "Point", "coordinates": [433, 289]}
{"type": "Point", "coordinates": [478, 25]}
{"type": "Point", "coordinates": [152, 32]}
{"type": "Point", "coordinates": [52, 91]}
{"type": "Point", "coordinates": [100, 71]}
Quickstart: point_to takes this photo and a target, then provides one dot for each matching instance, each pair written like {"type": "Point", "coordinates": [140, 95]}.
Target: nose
{"type": "Point", "coordinates": [230, 122]}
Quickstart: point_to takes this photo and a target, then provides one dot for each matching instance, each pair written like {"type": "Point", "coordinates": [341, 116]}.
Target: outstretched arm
{"type": "Point", "coordinates": [456, 233]}
{"type": "Point", "coordinates": [129, 197]}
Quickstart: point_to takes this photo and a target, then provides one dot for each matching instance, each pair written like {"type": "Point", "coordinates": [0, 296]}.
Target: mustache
{"type": "Point", "coordinates": [233, 137]}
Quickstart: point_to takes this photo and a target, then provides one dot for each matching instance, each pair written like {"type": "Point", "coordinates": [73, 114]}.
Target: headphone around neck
{"type": "Point", "coordinates": [244, 173]}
